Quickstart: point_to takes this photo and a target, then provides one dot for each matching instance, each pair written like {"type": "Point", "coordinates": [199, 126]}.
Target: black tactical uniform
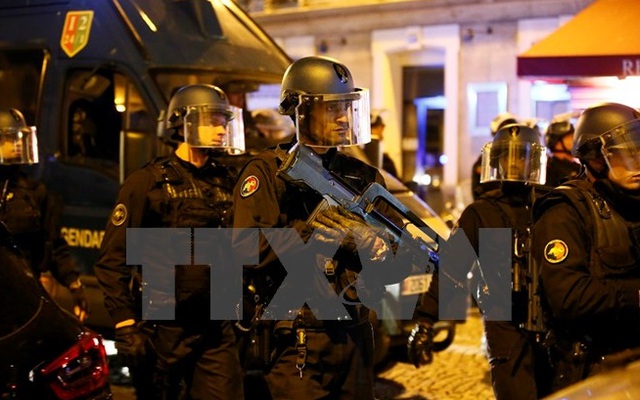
{"type": "Point", "coordinates": [339, 355]}
{"type": "Point", "coordinates": [518, 363]}
{"type": "Point", "coordinates": [192, 350]}
{"type": "Point", "coordinates": [591, 279]}
{"type": "Point", "coordinates": [30, 214]}
{"type": "Point", "coordinates": [517, 360]}
{"type": "Point", "coordinates": [586, 243]}
{"type": "Point", "coordinates": [170, 192]}
{"type": "Point", "coordinates": [315, 358]}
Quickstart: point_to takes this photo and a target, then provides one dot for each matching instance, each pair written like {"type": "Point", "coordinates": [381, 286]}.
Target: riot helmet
{"type": "Point", "coordinates": [201, 116]}
{"type": "Point", "coordinates": [18, 142]}
{"type": "Point", "coordinates": [328, 110]}
{"type": "Point", "coordinates": [593, 122]}
{"type": "Point", "coordinates": [559, 127]}
{"type": "Point", "coordinates": [515, 154]}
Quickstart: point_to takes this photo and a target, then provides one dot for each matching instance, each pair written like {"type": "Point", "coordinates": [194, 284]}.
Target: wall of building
{"type": "Point", "coordinates": [476, 40]}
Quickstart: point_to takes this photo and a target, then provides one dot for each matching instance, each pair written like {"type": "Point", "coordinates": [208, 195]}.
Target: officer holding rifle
{"type": "Point", "coordinates": [317, 354]}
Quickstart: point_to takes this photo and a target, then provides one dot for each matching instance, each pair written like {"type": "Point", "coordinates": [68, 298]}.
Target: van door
{"type": "Point", "coordinates": [107, 131]}
{"type": "Point", "coordinates": [102, 109]}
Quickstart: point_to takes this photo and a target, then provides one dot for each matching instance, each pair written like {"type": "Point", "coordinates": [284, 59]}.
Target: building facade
{"type": "Point", "coordinates": [440, 69]}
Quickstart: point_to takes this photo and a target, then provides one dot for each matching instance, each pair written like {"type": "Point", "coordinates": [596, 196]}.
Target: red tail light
{"type": "Point", "coordinates": [81, 370]}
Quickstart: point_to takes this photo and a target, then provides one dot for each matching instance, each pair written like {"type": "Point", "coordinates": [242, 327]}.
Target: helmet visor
{"type": "Point", "coordinates": [333, 120]}
{"type": "Point", "coordinates": [18, 146]}
{"type": "Point", "coordinates": [212, 128]}
{"type": "Point", "coordinates": [514, 161]}
{"type": "Point", "coordinates": [621, 149]}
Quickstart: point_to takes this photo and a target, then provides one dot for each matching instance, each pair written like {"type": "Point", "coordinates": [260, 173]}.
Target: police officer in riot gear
{"type": "Point", "coordinates": [586, 243]}
{"type": "Point", "coordinates": [30, 212]}
{"type": "Point", "coordinates": [477, 187]}
{"type": "Point", "coordinates": [515, 159]}
{"type": "Point", "coordinates": [191, 355]}
{"type": "Point", "coordinates": [558, 138]}
{"type": "Point", "coordinates": [314, 358]}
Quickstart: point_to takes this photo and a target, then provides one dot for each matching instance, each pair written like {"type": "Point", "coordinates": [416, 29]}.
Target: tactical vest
{"type": "Point", "coordinates": [609, 234]}
{"type": "Point", "coordinates": [613, 254]}
{"type": "Point", "coordinates": [518, 217]}
{"type": "Point", "coordinates": [185, 201]}
{"type": "Point", "coordinates": [297, 204]}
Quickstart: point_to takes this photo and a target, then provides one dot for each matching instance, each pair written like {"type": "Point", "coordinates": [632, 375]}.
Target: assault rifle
{"type": "Point", "coordinates": [535, 321]}
{"type": "Point", "coordinates": [529, 280]}
{"type": "Point", "coordinates": [303, 167]}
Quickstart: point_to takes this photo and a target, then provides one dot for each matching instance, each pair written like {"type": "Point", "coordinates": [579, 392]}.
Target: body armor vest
{"type": "Point", "coordinates": [610, 254]}
{"type": "Point", "coordinates": [516, 215]}
{"type": "Point", "coordinates": [297, 203]}
{"type": "Point", "coordinates": [189, 201]}
{"type": "Point", "coordinates": [613, 254]}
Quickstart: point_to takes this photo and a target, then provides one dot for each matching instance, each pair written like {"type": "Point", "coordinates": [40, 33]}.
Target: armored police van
{"type": "Point", "coordinates": [94, 77]}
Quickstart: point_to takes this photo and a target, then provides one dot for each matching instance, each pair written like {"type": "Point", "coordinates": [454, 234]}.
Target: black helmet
{"type": "Point", "coordinates": [194, 110]}
{"type": "Point", "coordinates": [18, 142]}
{"type": "Point", "coordinates": [559, 127]}
{"type": "Point", "coordinates": [318, 91]}
{"type": "Point", "coordinates": [515, 154]}
{"type": "Point", "coordinates": [313, 75]}
{"type": "Point", "coordinates": [593, 122]}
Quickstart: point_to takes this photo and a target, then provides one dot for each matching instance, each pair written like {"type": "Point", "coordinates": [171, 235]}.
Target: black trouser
{"type": "Point", "coordinates": [338, 365]}
{"type": "Point", "coordinates": [519, 365]}
{"type": "Point", "coordinates": [191, 363]}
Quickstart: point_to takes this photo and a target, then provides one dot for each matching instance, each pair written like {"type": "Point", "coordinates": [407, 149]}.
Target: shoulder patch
{"type": "Point", "coordinates": [249, 186]}
{"type": "Point", "coordinates": [556, 251]}
{"type": "Point", "coordinates": [119, 215]}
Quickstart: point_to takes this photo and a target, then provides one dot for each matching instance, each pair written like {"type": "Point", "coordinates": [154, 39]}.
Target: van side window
{"type": "Point", "coordinates": [94, 124]}
{"type": "Point", "coordinates": [104, 108]}
{"type": "Point", "coordinates": [20, 80]}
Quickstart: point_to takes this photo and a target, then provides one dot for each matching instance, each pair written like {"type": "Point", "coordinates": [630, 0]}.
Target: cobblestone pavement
{"type": "Point", "coordinates": [460, 372]}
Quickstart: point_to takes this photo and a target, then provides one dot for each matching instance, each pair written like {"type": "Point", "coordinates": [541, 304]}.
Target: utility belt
{"type": "Point", "coordinates": [357, 315]}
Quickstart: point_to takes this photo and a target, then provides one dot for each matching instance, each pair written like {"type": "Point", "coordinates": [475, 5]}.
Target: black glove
{"type": "Point", "coordinates": [335, 223]}
{"type": "Point", "coordinates": [420, 345]}
{"type": "Point", "coordinates": [131, 344]}
{"type": "Point", "coordinates": [80, 303]}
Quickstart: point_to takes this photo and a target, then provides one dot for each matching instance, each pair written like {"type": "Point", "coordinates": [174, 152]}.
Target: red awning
{"type": "Point", "coordinates": [601, 40]}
